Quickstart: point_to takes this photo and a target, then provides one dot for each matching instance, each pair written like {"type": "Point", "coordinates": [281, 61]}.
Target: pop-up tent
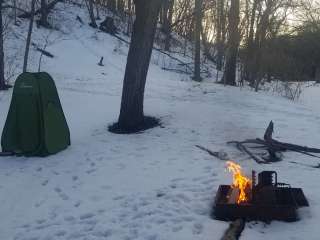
{"type": "Point", "coordinates": [35, 125]}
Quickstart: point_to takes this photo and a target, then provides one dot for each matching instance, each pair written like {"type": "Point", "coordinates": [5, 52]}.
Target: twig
{"type": "Point", "coordinates": [307, 165]}
{"type": "Point", "coordinates": [215, 154]}
{"type": "Point", "coordinates": [159, 50]}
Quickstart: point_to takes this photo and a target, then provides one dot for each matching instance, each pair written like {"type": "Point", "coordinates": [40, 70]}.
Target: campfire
{"type": "Point", "coordinates": [241, 186]}
{"type": "Point", "coordinates": [266, 200]}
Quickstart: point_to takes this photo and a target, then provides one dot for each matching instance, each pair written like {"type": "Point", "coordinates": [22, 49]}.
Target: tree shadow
{"type": "Point", "coordinates": [147, 123]}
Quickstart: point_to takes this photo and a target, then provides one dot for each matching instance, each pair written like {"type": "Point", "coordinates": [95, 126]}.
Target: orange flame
{"type": "Point", "coordinates": [240, 181]}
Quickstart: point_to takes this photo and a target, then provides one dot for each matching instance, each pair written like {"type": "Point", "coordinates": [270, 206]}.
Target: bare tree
{"type": "Point", "coordinates": [91, 13]}
{"type": "Point", "coordinates": [220, 39]}
{"type": "Point", "coordinates": [2, 78]}
{"type": "Point", "coordinates": [98, 3]}
{"type": "Point", "coordinates": [198, 21]}
{"type": "Point", "coordinates": [44, 14]}
{"type": "Point", "coordinates": [120, 6]}
{"type": "Point", "coordinates": [130, 17]}
{"type": "Point", "coordinates": [112, 5]}
{"type": "Point", "coordinates": [131, 113]}
{"type": "Point", "coordinates": [233, 44]}
{"type": "Point", "coordinates": [15, 11]}
{"type": "Point", "coordinates": [26, 54]}
{"type": "Point", "coordinates": [49, 7]}
{"type": "Point", "coordinates": [167, 12]}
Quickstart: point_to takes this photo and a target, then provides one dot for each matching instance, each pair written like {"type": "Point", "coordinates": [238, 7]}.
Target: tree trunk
{"type": "Point", "coordinates": [130, 13]}
{"type": "Point", "coordinates": [91, 13]}
{"type": "Point", "coordinates": [15, 11]}
{"type": "Point", "coordinates": [97, 9]}
{"type": "Point", "coordinates": [120, 6]}
{"type": "Point", "coordinates": [317, 74]}
{"type": "Point", "coordinates": [167, 25]}
{"type": "Point", "coordinates": [220, 33]}
{"type": "Point", "coordinates": [198, 21]}
{"type": "Point", "coordinates": [250, 45]}
{"type": "Point", "coordinates": [233, 44]}
{"type": "Point", "coordinates": [2, 79]}
{"type": "Point", "coordinates": [26, 54]}
{"type": "Point", "coordinates": [112, 5]}
{"type": "Point", "coordinates": [260, 43]}
{"type": "Point", "coordinates": [144, 28]}
{"type": "Point", "coordinates": [44, 14]}
{"type": "Point", "coordinates": [50, 6]}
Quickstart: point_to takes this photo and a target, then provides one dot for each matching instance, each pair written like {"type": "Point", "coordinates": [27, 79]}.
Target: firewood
{"type": "Point", "coordinates": [233, 195]}
{"type": "Point", "coordinates": [234, 231]}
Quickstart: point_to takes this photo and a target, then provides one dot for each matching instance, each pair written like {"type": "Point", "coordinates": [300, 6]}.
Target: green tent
{"type": "Point", "coordinates": [35, 125]}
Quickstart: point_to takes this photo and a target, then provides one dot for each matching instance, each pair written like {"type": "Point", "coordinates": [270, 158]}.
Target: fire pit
{"type": "Point", "coordinates": [266, 200]}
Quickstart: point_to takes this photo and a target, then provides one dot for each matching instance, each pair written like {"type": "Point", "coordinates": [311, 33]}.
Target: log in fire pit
{"type": "Point", "coordinates": [265, 200]}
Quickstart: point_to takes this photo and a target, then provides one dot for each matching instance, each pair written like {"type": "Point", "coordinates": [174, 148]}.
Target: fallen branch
{"type": "Point", "coordinates": [243, 148]}
{"type": "Point", "coordinates": [215, 154]}
{"type": "Point", "coordinates": [274, 147]}
{"type": "Point", "coordinates": [175, 70]}
{"type": "Point", "coordinates": [44, 52]}
{"type": "Point", "coordinates": [159, 50]}
{"type": "Point", "coordinates": [220, 155]}
{"type": "Point", "coordinates": [234, 231]}
{"type": "Point", "coordinates": [306, 165]}
{"type": "Point", "coordinates": [14, 7]}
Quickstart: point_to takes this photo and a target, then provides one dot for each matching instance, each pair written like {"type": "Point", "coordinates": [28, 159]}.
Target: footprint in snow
{"type": "Point", "coordinates": [197, 228]}
{"type": "Point", "coordinates": [61, 194]}
{"type": "Point", "coordinates": [38, 204]}
{"type": "Point", "coordinates": [152, 237]}
{"type": "Point", "coordinates": [86, 216]}
{"type": "Point", "coordinates": [91, 171]}
{"type": "Point", "coordinates": [177, 229]}
{"type": "Point", "coordinates": [60, 233]}
{"type": "Point", "coordinates": [69, 218]}
{"type": "Point", "coordinates": [41, 221]}
{"type": "Point", "coordinates": [77, 204]}
{"type": "Point", "coordinates": [103, 234]}
{"type": "Point", "coordinates": [45, 183]}
{"type": "Point", "coordinates": [106, 187]}
{"type": "Point", "coordinates": [55, 173]}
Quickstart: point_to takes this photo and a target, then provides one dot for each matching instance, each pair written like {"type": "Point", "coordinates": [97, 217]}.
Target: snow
{"type": "Point", "coordinates": [153, 185]}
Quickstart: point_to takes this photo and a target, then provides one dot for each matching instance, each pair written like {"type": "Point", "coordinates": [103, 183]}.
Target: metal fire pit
{"type": "Point", "coordinates": [269, 200]}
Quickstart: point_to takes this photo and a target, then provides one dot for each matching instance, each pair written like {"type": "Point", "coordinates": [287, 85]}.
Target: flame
{"type": "Point", "coordinates": [240, 181]}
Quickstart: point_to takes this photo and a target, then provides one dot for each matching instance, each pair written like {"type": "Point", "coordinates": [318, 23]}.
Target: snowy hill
{"type": "Point", "coordinates": [153, 185]}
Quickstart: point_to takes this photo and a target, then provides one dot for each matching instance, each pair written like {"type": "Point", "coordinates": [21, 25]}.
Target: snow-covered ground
{"type": "Point", "coordinates": [157, 184]}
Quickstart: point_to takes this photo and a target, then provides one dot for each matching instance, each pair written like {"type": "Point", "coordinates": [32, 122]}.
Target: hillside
{"type": "Point", "coordinates": [156, 184]}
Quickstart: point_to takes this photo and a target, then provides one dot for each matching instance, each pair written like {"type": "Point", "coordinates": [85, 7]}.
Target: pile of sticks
{"type": "Point", "coordinates": [273, 147]}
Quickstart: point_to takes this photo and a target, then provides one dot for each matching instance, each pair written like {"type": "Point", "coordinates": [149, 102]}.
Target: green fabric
{"type": "Point", "coordinates": [35, 125]}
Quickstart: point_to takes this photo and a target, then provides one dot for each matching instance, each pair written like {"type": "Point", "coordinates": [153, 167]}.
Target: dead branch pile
{"type": "Point", "coordinates": [272, 147]}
